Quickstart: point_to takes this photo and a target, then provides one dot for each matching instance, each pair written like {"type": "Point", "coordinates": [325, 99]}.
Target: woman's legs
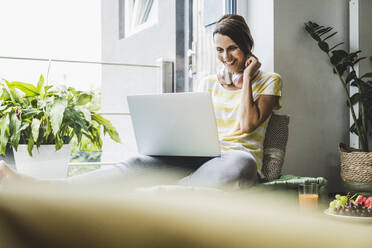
{"type": "Point", "coordinates": [137, 171]}
{"type": "Point", "coordinates": [234, 169]}
{"type": "Point", "coordinates": [143, 171]}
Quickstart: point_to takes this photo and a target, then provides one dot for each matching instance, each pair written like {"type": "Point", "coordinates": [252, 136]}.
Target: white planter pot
{"type": "Point", "coordinates": [45, 163]}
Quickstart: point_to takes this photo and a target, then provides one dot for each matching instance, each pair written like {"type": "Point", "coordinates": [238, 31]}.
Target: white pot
{"type": "Point", "coordinates": [45, 163]}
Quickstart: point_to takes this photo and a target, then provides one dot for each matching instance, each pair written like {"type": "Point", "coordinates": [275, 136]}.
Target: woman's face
{"type": "Point", "coordinates": [229, 53]}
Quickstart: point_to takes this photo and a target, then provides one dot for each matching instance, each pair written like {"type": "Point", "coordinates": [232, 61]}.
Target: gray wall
{"type": "Point", "coordinates": [312, 95]}
{"type": "Point", "coordinates": [365, 41]}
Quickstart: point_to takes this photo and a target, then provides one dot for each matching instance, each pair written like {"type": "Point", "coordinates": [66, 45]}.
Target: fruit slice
{"type": "Point", "coordinates": [368, 202]}
{"type": "Point", "coordinates": [360, 199]}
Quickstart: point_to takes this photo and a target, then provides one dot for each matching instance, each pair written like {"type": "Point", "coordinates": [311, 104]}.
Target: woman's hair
{"type": "Point", "coordinates": [237, 29]}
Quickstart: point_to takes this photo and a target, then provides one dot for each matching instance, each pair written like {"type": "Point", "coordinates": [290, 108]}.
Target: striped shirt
{"type": "Point", "coordinates": [227, 110]}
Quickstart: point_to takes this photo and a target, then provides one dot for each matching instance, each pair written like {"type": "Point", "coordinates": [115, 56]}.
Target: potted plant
{"type": "Point", "coordinates": [356, 164]}
{"type": "Point", "coordinates": [39, 122]}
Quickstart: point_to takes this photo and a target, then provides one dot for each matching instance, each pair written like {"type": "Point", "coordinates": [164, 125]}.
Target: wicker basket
{"type": "Point", "coordinates": [356, 166]}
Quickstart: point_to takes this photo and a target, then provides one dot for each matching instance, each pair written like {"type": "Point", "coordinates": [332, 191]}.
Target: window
{"type": "Point", "coordinates": [136, 15]}
{"type": "Point", "coordinates": [61, 39]}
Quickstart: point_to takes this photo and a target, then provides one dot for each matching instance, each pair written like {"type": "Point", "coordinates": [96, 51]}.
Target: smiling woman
{"type": "Point", "coordinates": [242, 112]}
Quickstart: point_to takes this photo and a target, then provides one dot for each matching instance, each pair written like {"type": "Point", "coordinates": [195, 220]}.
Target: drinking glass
{"type": "Point", "coordinates": [308, 195]}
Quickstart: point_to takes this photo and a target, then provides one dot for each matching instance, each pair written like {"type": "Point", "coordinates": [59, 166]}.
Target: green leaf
{"type": "Point", "coordinates": [15, 132]}
{"type": "Point", "coordinates": [30, 145]}
{"type": "Point", "coordinates": [354, 99]}
{"type": "Point", "coordinates": [357, 61]}
{"type": "Point", "coordinates": [339, 44]}
{"type": "Point", "coordinates": [59, 143]}
{"type": "Point", "coordinates": [350, 77]}
{"type": "Point", "coordinates": [108, 127]}
{"type": "Point", "coordinates": [75, 117]}
{"type": "Point", "coordinates": [4, 133]}
{"type": "Point", "coordinates": [367, 75]}
{"type": "Point", "coordinates": [341, 69]}
{"type": "Point", "coordinates": [47, 88]}
{"type": "Point", "coordinates": [329, 36]}
{"type": "Point", "coordinates": [324, 46]}
{"type": "Point", "coordinates": [87, 114]}
{"type": "Point", "coordinates": [337, 56]}
{"type": "Point", "coordinates": [35, 125]}
{"type": "Point", "coordinates": [324, 31]}
{"type": "Point", "coordinates": [55, 111]}
{"type": "Point", "coordinates": [40, 84]}
{"type": "Point", "coordinates": [84, 99]}
{"type": "Point", "coordinates": [28, 89]}
{"type": "Point", "coordinates": [3, 107]}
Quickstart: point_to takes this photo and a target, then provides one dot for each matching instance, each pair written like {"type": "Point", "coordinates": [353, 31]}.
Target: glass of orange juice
{"type": "Point", "coordinates": [308, 195]}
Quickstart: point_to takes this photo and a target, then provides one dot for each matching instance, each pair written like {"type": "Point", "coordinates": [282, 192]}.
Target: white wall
{"type": "Point", "coordinates": [259, 16]}
{"type": "Point", "coordinates": [144, 47]}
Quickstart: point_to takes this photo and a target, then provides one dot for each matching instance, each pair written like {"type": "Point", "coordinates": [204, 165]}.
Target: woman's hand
{"type": "Point", "coordinates": [252, 66]}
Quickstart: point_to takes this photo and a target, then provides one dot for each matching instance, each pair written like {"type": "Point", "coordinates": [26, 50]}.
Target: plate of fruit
{"type": "Point", "coordinates": [356, 208]}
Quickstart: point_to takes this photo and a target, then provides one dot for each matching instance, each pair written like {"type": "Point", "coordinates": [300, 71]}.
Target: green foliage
{"type": "Point", "coordinates": [49, 115]}
{"type": "Point", "coordinates": [343, 64]}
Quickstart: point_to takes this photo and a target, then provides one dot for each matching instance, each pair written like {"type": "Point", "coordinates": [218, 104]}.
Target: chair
{"type": "Point", "coordinates": [275, 143]}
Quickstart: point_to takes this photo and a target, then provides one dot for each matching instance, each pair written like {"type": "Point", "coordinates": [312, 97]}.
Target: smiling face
{"type": "Point", "coordinates": [229, 53]}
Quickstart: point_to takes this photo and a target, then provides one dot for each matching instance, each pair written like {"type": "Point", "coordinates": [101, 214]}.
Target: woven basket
{"type": "Point", "coordinates": [356, 166]}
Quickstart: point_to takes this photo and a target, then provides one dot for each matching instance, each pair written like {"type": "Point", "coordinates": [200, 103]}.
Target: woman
{"type": "Point", "coordinates": [242, 111]}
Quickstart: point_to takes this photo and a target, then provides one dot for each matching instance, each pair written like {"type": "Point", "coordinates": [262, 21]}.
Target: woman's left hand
{"type": "Point", "coordinates": [252, 66]}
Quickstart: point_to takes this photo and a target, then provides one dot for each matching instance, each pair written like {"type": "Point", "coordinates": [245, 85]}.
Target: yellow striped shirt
{"type": "Point", "coordinates": [227, 110]}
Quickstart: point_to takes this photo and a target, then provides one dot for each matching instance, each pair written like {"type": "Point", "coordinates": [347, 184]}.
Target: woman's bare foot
{"type": "Point", "coordinates": [9, 176]}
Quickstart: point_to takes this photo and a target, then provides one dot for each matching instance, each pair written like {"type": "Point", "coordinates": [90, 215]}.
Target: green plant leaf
{"type": "Point", "coordinates": [59, 143]}
{"type": "Point", "coordinates": [324, 46]}
{"type": "Point", "coordinates": [30, 145]}
{"type": "Point", "coordinates": [28, 89]}
{"type": "Point", "coordinates": [329, 36]}
{"type": "Point", "coordinates": [339, 44]}
{"type": "Point", "coordinates": [350, 77]}
{"type": "Point", "coordinates": [3, 107]}
{"type": "Point", "coordinates": [35, 126]}
{"type": "Point", "coordinates": [367, 75]}
{"type": "Point", "coordinates": [341, 69]}
{"type": "Point", "coordinates": [108, 127]}
{"type": "Point", "coordinates": [40, 84]}
{"type": "Point", "coordinates": [323, 31]}
{"type": "Point", "coordinates": [15, 132]}
{"type": "Point", "coordinates": [87, 114]}
{"type": "Point", "coordinates": [354, 99]}
{"type": "Point", "coordinates": [4, 133]}
{"type": "Point", "coordinates": [359, 59]}
{"type": "Point", "coordinates": [55, 111]}
{"type": "Point", "coordinates": [338, 56]}
{"type": "Point", "coordinates": [84, 99]}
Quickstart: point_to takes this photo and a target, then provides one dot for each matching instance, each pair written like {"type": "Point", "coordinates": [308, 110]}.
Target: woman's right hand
{"type": "Point", "coordinates": [252, 66]}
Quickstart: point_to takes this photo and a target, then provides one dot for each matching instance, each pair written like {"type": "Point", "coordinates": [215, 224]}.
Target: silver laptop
{"type": "Point", "coordinates": [174, 124]}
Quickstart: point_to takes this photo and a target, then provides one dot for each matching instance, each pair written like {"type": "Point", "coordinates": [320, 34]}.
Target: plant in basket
{"type": "Point", "coordinates": [48, 116]}
{"type": "Point", "coordinates": [356, 164]}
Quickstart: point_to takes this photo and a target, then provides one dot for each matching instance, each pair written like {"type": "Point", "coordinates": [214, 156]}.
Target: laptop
{"type": "Point", "coordinates": [174, 124]}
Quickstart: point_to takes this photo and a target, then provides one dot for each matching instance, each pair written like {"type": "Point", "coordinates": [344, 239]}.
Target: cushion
{"type": "Point", "coordinates": [275, 143]}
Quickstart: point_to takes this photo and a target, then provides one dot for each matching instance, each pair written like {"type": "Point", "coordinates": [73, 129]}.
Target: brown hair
{"type": "Point", "coordinates": [237, 29]}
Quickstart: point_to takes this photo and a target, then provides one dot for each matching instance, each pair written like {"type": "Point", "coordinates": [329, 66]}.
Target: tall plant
{"type": "Point", "coordinates": [343, 64]}
{"type": "Point", "coordinates": [45, 114]}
